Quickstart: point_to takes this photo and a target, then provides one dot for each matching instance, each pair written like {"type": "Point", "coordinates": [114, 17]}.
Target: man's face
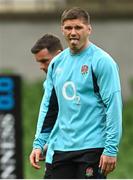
{"type": "Point", "coordinates": [76, 33]}
{"type": "Point", "coordinates": [44, 57]}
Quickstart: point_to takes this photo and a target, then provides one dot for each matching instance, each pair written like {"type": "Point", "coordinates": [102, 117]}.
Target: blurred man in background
{"type": "Point", "coordinates": [44, 50]}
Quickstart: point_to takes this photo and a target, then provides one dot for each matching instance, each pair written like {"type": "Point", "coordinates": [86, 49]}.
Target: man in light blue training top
{"type": "Point", "coordinates": [84, 141]}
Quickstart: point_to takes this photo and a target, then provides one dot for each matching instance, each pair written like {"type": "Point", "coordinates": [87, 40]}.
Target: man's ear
{"type": "Point", "coordinates": [57, 52]}
{"type": "Point", "coordinates": [89, 29]}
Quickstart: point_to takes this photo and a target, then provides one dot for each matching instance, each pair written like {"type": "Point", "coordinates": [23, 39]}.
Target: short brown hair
{"type": "Point", "coordinates": [49, 41]}
{"type": "Point", "coordinates": [75, 13]}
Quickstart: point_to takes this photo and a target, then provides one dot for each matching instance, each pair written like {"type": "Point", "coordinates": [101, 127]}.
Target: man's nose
{"type": "Point", "coordinates": [73, 31]}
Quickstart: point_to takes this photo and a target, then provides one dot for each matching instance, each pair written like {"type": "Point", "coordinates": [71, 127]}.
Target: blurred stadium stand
{"type": "Point", "coordinates": [104, 8]}
{"type": "Point", "coordinates": [30, 6]}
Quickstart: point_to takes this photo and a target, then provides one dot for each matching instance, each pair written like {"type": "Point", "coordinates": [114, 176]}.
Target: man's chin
{"type": "Point", "coordinates": [45, 71]}
{"type": "Point", "coordinates": [74, 46]}
{"type": "Point", "coordinates": [74, 49]}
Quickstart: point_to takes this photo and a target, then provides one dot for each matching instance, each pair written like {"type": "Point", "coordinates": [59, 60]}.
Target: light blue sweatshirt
{"type": "Point", "coordinates": [87, 88]}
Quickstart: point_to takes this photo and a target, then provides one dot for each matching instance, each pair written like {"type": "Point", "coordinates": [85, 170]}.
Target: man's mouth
{"type": "Point", "coordinates": [74, 40]}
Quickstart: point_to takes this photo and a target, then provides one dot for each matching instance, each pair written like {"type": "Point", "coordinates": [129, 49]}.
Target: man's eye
{"type": "Point", "coordinates": [78, 27]}
{"type": "Point", "coordinates": [68, 28]}
{"type": "Point", "coordinates": [43, 61]}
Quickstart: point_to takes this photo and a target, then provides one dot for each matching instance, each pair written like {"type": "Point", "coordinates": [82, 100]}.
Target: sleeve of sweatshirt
{"type": "Point", "coordinates": [47, 113]}
{"type": "Point", "coordinates": [110, 91]}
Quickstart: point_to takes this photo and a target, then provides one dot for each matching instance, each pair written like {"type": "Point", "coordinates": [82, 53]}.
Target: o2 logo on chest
{"type": "Point", "coordinates": [69, 92]}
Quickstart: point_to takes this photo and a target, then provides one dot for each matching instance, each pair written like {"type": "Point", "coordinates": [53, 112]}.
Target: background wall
{"type": "Point", "coordinates": [18, 36]}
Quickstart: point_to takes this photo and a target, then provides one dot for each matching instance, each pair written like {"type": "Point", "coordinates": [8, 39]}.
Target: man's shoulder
{"type": "Point", "coordinates": [60, 56]}
{"type": "Point", "coordinates": [100, 52]}
{"type": "Point", "coordinates": [100, 55]}
{"type": "Point", "coordinates": [58, 59]}
{"type": "Point", "coordinates": [63, 53]}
